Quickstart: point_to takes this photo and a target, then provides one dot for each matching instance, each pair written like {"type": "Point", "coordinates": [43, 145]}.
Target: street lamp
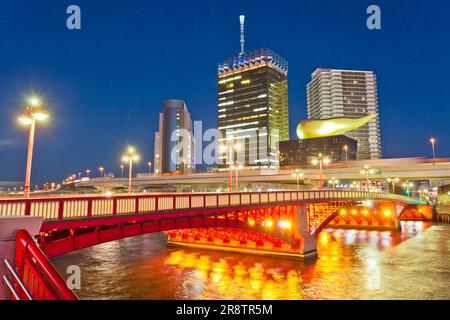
{"type": "Point", "coordinates": [32, 113]}
{"type": "Point", "coordinates": [130, 156]}
{"type": "Point", "coordinates": [121, 168]}
{"type": "Point", "coordinates": [408, 186]}
{"type": "Point", "coordinates": [433, 142]}
{"type": "Point", "coordinates": [320, 161]}
{"type": "Point", "coordinates": [101, 171]}
{"type": "Point", "coordinates": [237, 167]}
{"type": "Point", "coordinates": [393, 181]}
{"type": "Point", "coordinates": [346, 151]}
{"type": "Point", "coordinates": [149, 167]}
{"type": "Point", "coordinates": [298, 174]}
{"type": "Point", "coordinates": [333, 182]}
{"type": "Point", "coordinates": [366, 172]}
{"type": "Point", "coordinates": [88, 172]}
{"type": "Point", "coordinates": [230, 147]}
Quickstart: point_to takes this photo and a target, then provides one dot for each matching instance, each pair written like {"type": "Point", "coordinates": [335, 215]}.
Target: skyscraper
{"type": "Point", "coordinates": [336, 93]}
{"type": "Point", "coordinates": [174, 143]}
{"type": "Point", "coordinates": [253, 104]}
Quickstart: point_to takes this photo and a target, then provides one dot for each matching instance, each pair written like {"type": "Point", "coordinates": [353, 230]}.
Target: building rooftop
{"type": "Point", "coordinates": [249, 60]}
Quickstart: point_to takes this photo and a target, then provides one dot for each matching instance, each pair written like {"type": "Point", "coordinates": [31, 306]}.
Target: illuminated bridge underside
{"type": "Point", "coordinates": [274, 231]}
{"type": "Point", "coordinates": [284, 222]}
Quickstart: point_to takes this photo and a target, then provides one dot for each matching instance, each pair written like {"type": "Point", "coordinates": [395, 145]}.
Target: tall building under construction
{"type": "Point", "coordinates": [253, 106]}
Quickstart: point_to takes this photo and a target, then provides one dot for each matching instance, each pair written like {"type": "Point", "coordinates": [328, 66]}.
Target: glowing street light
{"type": "Point", "coordinates": [298, 174]}
{"type": "Point", "coordinates": [121, 168]}
{"type": "Point", "coordinates": [101, 169]}
{"type": "Point", "coordinates": [230, 147]}
{"type": "Point", "coordinates": [320, 161]}
{"type": "Point", "coordinates": [408, 187]}
{"type": "Point", "coordinates": [149, 167]}
{"type": "Point", "coordinates": [346, 151]}
{"type": "Point", "coordinates": [88, 171]}
{"type": "Point", "coordinates": [237, 167]}
{"type": "Point", "coordinates": [366, 171]}
{"type": "Point", "coordinates": [32, 113]}
{"type": "Point", "coordinates": [333, 181]}
{"type": "Point", "coordinates": [393, 181]}
{"type": "Point", "coordinates": [433, 142]}
{"type": "Point", "coordinates": [130, 156]}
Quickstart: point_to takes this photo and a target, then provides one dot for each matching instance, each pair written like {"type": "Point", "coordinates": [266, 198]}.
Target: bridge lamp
{"type": "Point", "coordinates": [366, 171]}
{"type": "Point", "coordinates": [365, 212]}
{"type": "Point", "coordinates": [32, 113]}
{"type": "Point", "coordinates": [321, 160]}
{"type": "Point", "coordinates": [101, 169]}
{"type": "Point", "coordinates": [251, 222]}
{"type": "Point", "coordinates": [387, 213]}
{"type": "Point", "coordinates": [130, 156]}
{"type": "Point", "coordinates": [88, 172]}
{"type": "Point", "coordinates": [298, 174]}
{"type": "Point", "coordinates": [433, 142]}
{"type": "Point", "coordinates": [269, 223]}
{"type": "Point", "coordinates": [149, 167]}
{"type": "Point", "coordinates": [343, 211]}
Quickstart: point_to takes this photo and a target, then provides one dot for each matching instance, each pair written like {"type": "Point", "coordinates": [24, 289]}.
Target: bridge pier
{"type": "Point", "coordinates": [9, 226]}
{"type": "Point", "coordinates": [308, 246]}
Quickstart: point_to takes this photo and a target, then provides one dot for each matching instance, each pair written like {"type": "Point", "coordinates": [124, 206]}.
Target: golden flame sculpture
{"type": "Point", "coordinates": [307, 129]}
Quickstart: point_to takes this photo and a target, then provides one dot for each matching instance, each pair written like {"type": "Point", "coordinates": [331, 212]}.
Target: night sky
{"type": "Point", "coordinates": [104, 84]}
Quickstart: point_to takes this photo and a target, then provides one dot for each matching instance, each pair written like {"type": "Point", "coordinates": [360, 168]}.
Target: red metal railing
{"type": "Point", "coordinates": [70, 207]}
{"type": "Point", "coordinates": [35, 276]}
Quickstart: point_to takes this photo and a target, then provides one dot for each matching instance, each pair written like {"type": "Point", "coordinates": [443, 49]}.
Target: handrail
{"type": "Point", "coordinates": [19, 281]}
{"type": "Point", "coordinates": [11, 288]}
{"type": "Point", "coordinates": [76, 206]}
{"type": "Point", "coordinates": [45, 272]}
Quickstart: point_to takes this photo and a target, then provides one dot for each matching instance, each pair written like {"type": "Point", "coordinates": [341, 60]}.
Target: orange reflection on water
{"type": "Point", "coordinates": [232, 280]}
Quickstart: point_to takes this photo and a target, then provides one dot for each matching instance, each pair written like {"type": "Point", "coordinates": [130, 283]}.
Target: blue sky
{"type": "Point", "coordinates": [105, 83]}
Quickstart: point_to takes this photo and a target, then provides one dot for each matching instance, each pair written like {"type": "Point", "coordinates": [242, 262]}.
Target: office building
{"type": "Point", "coordinates": [253, 106]}
{"type": "Point", "coordinates": [174, 142]}
{"type": "Point", "coordinates": [336, 93]}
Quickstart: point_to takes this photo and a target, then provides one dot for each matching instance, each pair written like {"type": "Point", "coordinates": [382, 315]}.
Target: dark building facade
{"type": "Point", "coordinates": [301, 152]}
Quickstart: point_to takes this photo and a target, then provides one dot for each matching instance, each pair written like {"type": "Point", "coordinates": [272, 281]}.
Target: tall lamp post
{"type": "Point", "coordinates": [32, 113]}
{"type": "Point", "coordinates": [297, 174]}
{"type": "Point", "coordinates": [393, 181]}
{"type": "Point", "coordinates": [408, 187]}
{"type": "Point", "coordinates": [433, 142]}
{"type": "Point", "coordinates": [121, 168]}
{"type": "Point", "coordinates": [237, 167]}
{"type": "Point", "coordinates": [88, 172]}
{"type": "Point", "coordinates": [149, 167]}
{"type": "Point", "coordinates": [366, 171]}
{"type": "Point", "coordinates": [130, 156]}
{"type": "Point", "coordinates": [346, 152]}
{"type": "Point", "coordinates": [229, 147]}
{"type": "Point", "coordinates": [320, 161]}
{"type": "Point", "coordinates": [101, 171]}
{"type": "Point", "coordinates": [333, 182]}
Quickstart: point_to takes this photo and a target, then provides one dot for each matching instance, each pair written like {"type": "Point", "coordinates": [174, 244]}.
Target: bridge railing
{"type": "Point", "coordinates": [71, 207]}
{"type": "Point", "coordinates": [33, 275]}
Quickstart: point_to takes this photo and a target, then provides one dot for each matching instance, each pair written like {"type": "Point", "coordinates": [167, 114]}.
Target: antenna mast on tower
{"type": "Point", "coordinates": [241, 20]}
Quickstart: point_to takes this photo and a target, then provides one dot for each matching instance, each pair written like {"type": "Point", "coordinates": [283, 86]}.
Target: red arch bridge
{"type": "Point", "coordinates": [276, 222]}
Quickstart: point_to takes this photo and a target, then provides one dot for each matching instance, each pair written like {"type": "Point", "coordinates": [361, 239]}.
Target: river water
{"type": "Point", "coordinates": [352, 264]}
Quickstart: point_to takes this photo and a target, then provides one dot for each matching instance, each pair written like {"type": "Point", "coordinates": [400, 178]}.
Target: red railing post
{"type": "Point", "coordinates": [114, 208]}
{"type": "Point", "coordinates": [39, 271]}
{"type": "Point", "coordinates": [61, 210]}
{"type": "Point", "coordinates": [136, 205]}
{"type": "Point", "coordinates": [89, 208]}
